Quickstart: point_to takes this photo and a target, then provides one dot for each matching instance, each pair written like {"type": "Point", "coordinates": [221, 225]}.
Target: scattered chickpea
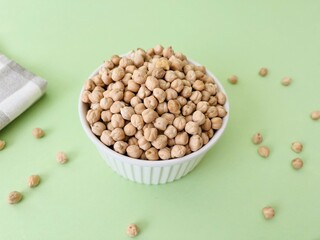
{"type": "Point", "coordinates": [132, 230]}
{"type": "Point", "coordinates": [297, 147]}
{"type": "Point", "coordinates": [268, 212]}
{"type": "Point", "coordinates": [33, 181]}
{"type": "Point", "coordinates": [61, 157]}
{"type": "Point", "coordinates": [264, 151]}
{"type": "Point", "coordinates": [286, 81]}
{"type": "Point", "coordinates": [14, 197]}
{"type": "Point", "coordinates": [257, 138]}
{"type": "Point", "coordinates": [233, 79]}
{"type": "Point", "coordinates": [297, 163]}
{"type": "Point", "coordinates": [2, 144]}
{"type": "Point", "coordinates": [315, 115]}
{"type": "Point", "coordinates": [263, 72]}
{"type": "Point", "coordinates": [39, 133]}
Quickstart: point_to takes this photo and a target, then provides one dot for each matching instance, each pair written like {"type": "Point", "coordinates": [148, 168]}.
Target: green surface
{"type": "Point", "coordinates": [64, 41]}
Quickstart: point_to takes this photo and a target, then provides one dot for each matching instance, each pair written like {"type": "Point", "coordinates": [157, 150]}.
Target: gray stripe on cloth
{"type": "Point", "coordinates": [4, 120]}
{"type": "Point", "coordinates": [10, 81]}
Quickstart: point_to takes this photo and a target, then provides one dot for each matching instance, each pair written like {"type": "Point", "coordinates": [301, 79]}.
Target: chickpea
{"type": "Point", "coordinates": [105, 103]}
{"type": "Point", "coordinates": [161, 123]}
{"type": "Point", "coordinates": [98, 127]}
{"type": "Point", "coordinates": [134, 151]}
{"type": "Point", "coordinates": [198, 117]}
{"type": "Point", "coordinates": [149, 115]}
{"type": "Point", "coordinates": [179, 123]}
{"type": "Point", "coordinates": [171, 132]}
{"type": "Point", "coordinates": [137, 121]}
{"type": "Point", "coordinates": [150, 102]}
{"type": "Point", "coordinates": [130, 129]}
{"type": "Point", "coordinates": [139, 108]}
{"type": "Point", "coordinates": [216, 123]}
{"type": "Point", "coordinates": [117, 74]}
{"type": "Point", "coordinates": [144, 144]}
{"type": "Point", "coordinates": [174, 106]}
{"type": "Point", "coordinates": [120, 147]}
{"type": "Point", "coordinates": [106, 116]}
{"type": "Point", "coordinates": [118, 134]}
{"type": "Point", "coordinates": [116, 106]}
{"type": "Point", "coordinates": [150, 134]}
{"type": "Point", "coordinates": [162, 108]}
{"type": "Point", "coordinates": [178, 151]}
{"type": "Point", "coordinates": [202, 106]}
{"type": "Point", "coordinates": [170, 76]}
{"type": "Point", "coordinates": [139, 76]}
{"type": "Point", "coordinates": [127, 112]}
{"type": "Point", "coordinates": [207, 125]}
{"type": "Point", "coordinates": [182, 138]}
{"type": "Point", "coordinates": [117, 121]}
{"type": "Point", "coordinates": [169, 116]}
{"type": "Point", "coordinates": [106, 138]}
{"type": "Point", "coordinates": [152, 154]}
{"type": "Point", "coordinates": [152, 83]}
{"type": "Point", "coordinates": [177, 85]}
{"type": "Point", "coordinates": [192, 128]}
{"type": "Point", "coordinates": [164, 153]}
{"type": "Point", "coordinates": [195, 143]}
{"type": "Point", "coordinates": [160, 142]}
{"type": "Point", "coordinates": [198, 85]}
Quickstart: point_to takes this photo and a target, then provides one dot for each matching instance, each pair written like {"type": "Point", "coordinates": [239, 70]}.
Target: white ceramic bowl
{"type": "Point", "coordinates": [152, 172]}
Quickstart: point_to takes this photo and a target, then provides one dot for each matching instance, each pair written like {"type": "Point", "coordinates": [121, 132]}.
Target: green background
{"type": "Point", "coordinates": [64, 41]}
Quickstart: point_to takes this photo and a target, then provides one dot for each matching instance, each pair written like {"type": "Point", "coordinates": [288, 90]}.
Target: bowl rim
{"type": "Point", "coordinates": [158, 163]}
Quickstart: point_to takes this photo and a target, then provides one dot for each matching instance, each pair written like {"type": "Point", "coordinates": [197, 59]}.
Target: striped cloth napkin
{"type": "Point", "coordinates": [19, 89]}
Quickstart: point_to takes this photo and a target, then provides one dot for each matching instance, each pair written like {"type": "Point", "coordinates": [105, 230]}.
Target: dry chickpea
{"type": "Point", "coordinates": [257, 138]}
{"type": "Point", "coordinates": [195, 143]}
{"type": "Point", "coordinates": [152, 83]}
{"type": "Point", "coordinates": [137, 121]}
{"type": "Point", "coordinates": [191, 76]}
{"type": "Point", "coordinates": [152, 154]}
{"type": "Point", "coordinates": [133, 86]}
{"type": "Point", "coordinates": [210, 133]}
{"type": "Point", "coordinates": [268, 212]}
{"type": "Point", "coordinates": [171, 132]}
{"type": "Point", "coordinates": [109, 126]}
{"type": "Point", "coordinates": [158, 73]}
{"type": "Point", "coordinates": [205, 96]}
{"type": "Point", "coordinates": [2, 144]}
{"type": "Point", "coordinates": [206, 126]}
{"type": "Point", "coordinates": [205, 138]}
{"type": "Point", "coordinates": [213, 101]}
{"type": "Point", "coordinates": [198, 85]}
{"type": "Point", "coordinates": [171, 142]}
{"type": "Point", "coordinates": [117, 121]}
{"type": "Point", "coordinates": [182, 101]}
{"type": "Point", "coordinates": [162, 63]}
{"type": "Point", "coordinates": [115, 59]}
{"type": "Point", "coordinates": [130, 129]}
{"type": "Point", "coordinates": [139, 76]}
{"type": "Point", "coordinates": [211, 88]}
{"type": "Point", "coordinates": [144, 144]}
{"type": "Point", "coordinates": [176, 63]}
{"type": "Point", "coordinates": [168, 52]}
{"type": "Point", "coordinates": [187, 110]}
{"type": "Point", "coordinates": [174, 106]}
{"type": "Point", "coordinates": [202, 106]}
{"type": "Point", "coordinates": [188, 118]}
{"type": "Point", "coordinates": [127, 112]}
{"type": "Point", "coordinates": [170, 76]}
{"type": "Point", "coordinates": [164, 153]}
{"type": "Point", "coordinates": [106, 78]}
{"type": "Point", "coordinates": [138, 59]}
{"type": "Point", "coordinates": [124, 62]}
{"type": "Point", "coordinates": [192, 128]}
{"type": "Point", "coordinates": [116, 94]}
{"type": "Point", "coordinates": [315, 115]}
{"type": "Point", "coordinates": [179, 123]}
{"type": "Point", "coordinates": [178, 151]}
{"type": "Point", "coordinates": [95, 96]}
{"type": "Point", "coordinates": [97, 80]}
{"type": "Point", "coordinates": [182, 138]}
{"type": "Point", "coordinates": [160, 142]}
{"type": "Point", "coordinates": [297, 163]}
{"type": "Point", "coordinates": [150, 134]}
{"type": "Point", "coordinates": [221, 98]}
{"type": "Point", "coordinates": [89, 85]}
{"type": "Point", "coordinates": [118, 85]}
{"type": "Point", "coordinates": [117, 134]}
{"type": "Point", "coordinates": [143, 92]}
{"type": "Point", "coordinates": [233, 79]}
{"type": "Point", "coordinates": [159, 94]}
{"type": "Point", "coordinates": [130, 69]}
{"type": "Point", "coordinates": [93, 116]}
{"type": "Point", "coordinates": [162, 108]}
{"type": "Point", "coordinates": [95, 106]}
{"type": "Point", "coordinates": [150, 102]}
{"type": "Point", "coordinates": [98, 127]}
{"type": "Point", "coordinates": [196, 97]}
{"type": "Point", "coordinates": [263, 72]}
{"type": "Point", "coordinates": [198, 117]}
{"type": "Point", "coordinates": [158, 49]}
{"type": "Point", "coordinates": [135, 101]}
{"type": "Point", "coordinates": [133, 141]}
{"type": "Point", "coordinates": [164, 85]}
{"type": "Point", "coordinates": [120, 147]}
{"type": "Point", "coordinates": [297, 147]}
{"type": "Point", "coordinates": [106, 138]}
{"type": "Point", "coordinates": [117, 74]}
{"type": "Point", "coordinates": [177, 85]}
{"type": "Point", "coordinates": [134, 151]}
{"type": "Point", "coordinates": [139, 108]}
{"type": "Point", "coordinates": [221, 111]}
{"type": "Point", "coordinates": [149, 115]}
{"type": "Point", "coordinates": [199, 74]}
{"type": "Point", "coordinates": [264, 151]}
{"type": "Point", "coordinates": [106, 116]}
{"type": "Point", "coordinates": [116, 106]}
{"type": "Point", "coordinates": [105, 103]}
{"type": "Point", "coordinates": [171, 94]}
{"type": "Point", "coordinates": [169, 116]}
{"type": "Point", "coordinates": [216, 123]}
{"type": "Point", "coordinates": [85, 96]}
{"type": "Point", "coordinates": [161, 123]}
{"type": "Point", "coordinates": [188, 68]}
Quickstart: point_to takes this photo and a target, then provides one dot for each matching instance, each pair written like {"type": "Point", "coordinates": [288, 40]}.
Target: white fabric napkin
{"type": "Point", "coordinates": [19, 89]}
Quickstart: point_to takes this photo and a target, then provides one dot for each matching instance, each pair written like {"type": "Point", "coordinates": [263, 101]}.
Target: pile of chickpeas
{"type": "Point", "coordinates": [153, 105]}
